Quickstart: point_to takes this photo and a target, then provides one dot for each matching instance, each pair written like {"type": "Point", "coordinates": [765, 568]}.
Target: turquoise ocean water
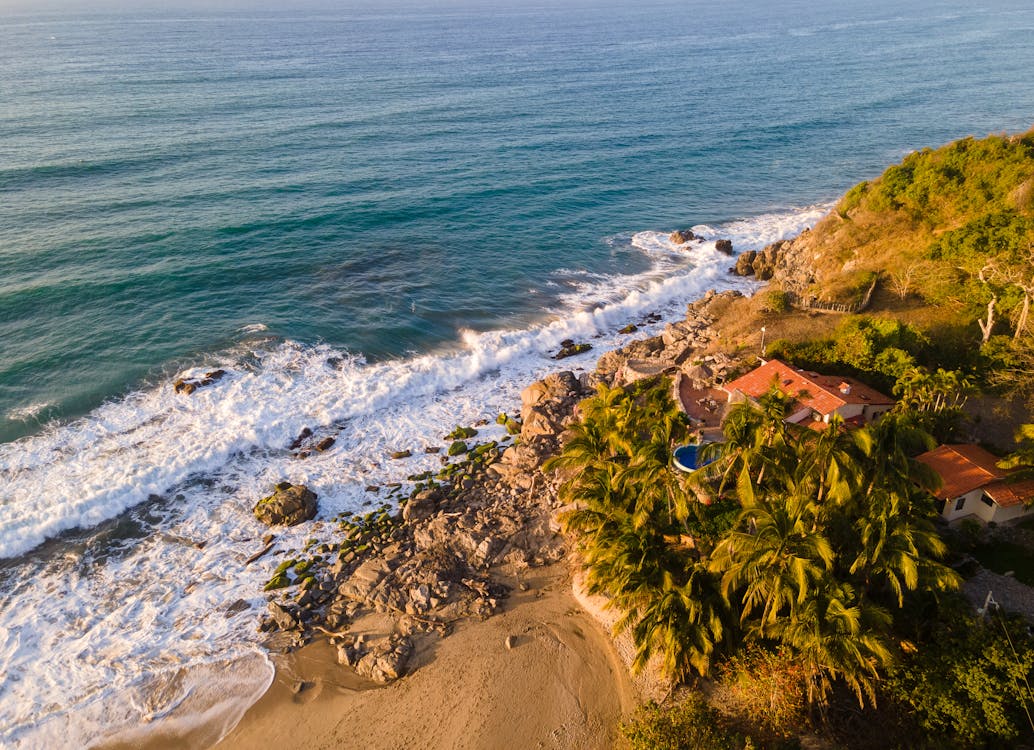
{"type": "Point", "coordinates": [380, 219]}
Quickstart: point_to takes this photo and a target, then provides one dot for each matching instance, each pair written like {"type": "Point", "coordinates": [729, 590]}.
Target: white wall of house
{"type": "Point", "coordinates": [799, 416]}
{"type": "Point", "coordinates": [965, 506]}
{"type": "Point", "coordinates": [973, 504]}
{"type": "Point", "coordinates": [869, 413]}
{"type": "Point", "coordinates": [850, 410]}
{"type": "Point", "coordinates": [1012, 512]}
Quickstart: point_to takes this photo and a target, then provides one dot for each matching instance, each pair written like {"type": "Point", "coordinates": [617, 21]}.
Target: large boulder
{"type": "Point", "coordinates": [383, 661]}
{"type": "Point", "coordinates": [681, 236]}
{"type": "Point", "coordinates": [422, 506]}
{"type": "Point", "coordinates": [745, 263]}
{"type": "Point", "coordinates": [562, 384]}
{"type": "Point", "coordinates": [289, 505]}
{"type": "Point", "coordinates": [535, 421]}
{"type": "Point", "coordinates": [724, 246]}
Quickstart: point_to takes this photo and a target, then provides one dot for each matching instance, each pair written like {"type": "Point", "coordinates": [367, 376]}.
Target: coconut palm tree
{"type": "Point", "coordinates": [1022, 459]}
{"type": "Point", "coordinates": [684, 623]}
{"type": "Point", "coordinates": [829, 463]}
{"type": "Point", "coordinates": [836, 636]}
{"type": "Point", "coordinates": [756, 441]}
{"type": "Point", "coordinates": [898, 548]}
{"type": "Point", "coordinates": [775, 558]}
{"type": "Point", "coordinates": [889, 445]}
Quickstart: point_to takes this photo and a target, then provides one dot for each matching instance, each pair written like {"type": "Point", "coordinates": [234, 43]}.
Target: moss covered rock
{"type": "Point", "coordinates": [289, 505]}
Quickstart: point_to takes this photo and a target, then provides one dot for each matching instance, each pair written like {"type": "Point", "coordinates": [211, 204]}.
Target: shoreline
{"type": "Point", "coordinates": [560, 684]}
{"type": "Point", "coordinates": [536, 604]}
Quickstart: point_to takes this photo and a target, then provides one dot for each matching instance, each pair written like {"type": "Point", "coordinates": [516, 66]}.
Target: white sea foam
{"type": "Point", "coordinates": [98, 619]}
{"type": "Point", "coordinates": [28, 412]}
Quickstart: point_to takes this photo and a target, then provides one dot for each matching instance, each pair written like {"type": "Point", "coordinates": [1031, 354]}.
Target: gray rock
{"type": "Point", "coordinates": [284, 617]}
{"type": "Point", "coordinates": [365, 579]}
{"type": "Point", "coordinates": [422, 506]}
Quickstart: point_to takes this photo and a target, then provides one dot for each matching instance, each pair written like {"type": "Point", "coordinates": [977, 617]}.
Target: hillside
{"type": "Point", "coordinates": [948, 235]}
{"type": "Point", "coordinates": [929, 223]}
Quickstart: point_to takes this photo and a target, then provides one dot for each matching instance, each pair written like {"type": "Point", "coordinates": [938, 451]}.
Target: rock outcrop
{"type": "Point", "coordinates": [289, 504]}
{"type": "Point", "coordinates": [187, 386]}
{"type": "Point", "coordinates": [787, 261]}
{"type": "Point", "coordinates": [681, 236]}
{"type": "Point", "coordinates": [382, 660]}
{"type": "Point", "coordinates": [485, 514]}
{"type": "Point", "coordinates": [680, 343]}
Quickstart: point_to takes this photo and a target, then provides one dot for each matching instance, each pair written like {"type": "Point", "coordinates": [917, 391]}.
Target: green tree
{"type": "Point", "coordinates": [837, 636]}
{"type": "Point", "coordinates": [775, 560]}
{"type": "Point", "coordinates": [898, 548]}
{"type": "Point", "coordinates": [1021, 461]}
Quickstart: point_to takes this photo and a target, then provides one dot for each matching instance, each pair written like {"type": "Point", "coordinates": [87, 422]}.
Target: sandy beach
{"type": "Point", "coordinates": [560, 685]}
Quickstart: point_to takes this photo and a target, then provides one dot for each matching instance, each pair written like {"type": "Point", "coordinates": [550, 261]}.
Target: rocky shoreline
{"type": "Point", "coordinates": [463, 538]}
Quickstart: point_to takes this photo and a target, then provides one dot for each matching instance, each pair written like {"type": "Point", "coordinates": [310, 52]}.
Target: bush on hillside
{"type": "Point", "coordinates": [690, 724]}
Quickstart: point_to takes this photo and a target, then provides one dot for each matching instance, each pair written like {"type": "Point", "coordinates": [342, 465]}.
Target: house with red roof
{"type": "Point", "coordinates": [818, 397]}
{"type": "Point", "coordinates": [973, 485]}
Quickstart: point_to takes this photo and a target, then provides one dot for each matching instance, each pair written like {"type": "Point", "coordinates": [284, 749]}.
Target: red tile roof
{"type": "Point", "coordinates": [822, 393]}
{"type": "Point", "coordinates": [1007, 494]}
{"type": "Point", "coordinates": [962, 468]}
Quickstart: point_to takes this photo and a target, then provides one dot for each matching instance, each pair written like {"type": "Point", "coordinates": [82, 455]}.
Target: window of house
{"type": "Point", "coordinates": [959, 503]}
{"type": "Point", "coordinates": [987, 500]}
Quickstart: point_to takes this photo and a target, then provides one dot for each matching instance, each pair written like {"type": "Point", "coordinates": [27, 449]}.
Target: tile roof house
{"type": "Point", "coordinates": [818, 397]}
{"type": "Point", "coordinates": [973, 485]}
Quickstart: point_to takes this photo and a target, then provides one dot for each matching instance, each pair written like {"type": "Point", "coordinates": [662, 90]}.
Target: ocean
{"type": "Point", "coordinates": [381, 220]}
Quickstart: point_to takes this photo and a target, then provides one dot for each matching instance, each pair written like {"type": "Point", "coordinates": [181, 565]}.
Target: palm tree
{"type": "Point", "coordinates": [685, 624]}
{"type": "Point", "coordinates": [829, 460]}
{"type": "Point", "coordinates": [777, 561]}
{"type": "Point", "coordinates": [597, 500]}
{"type": "Point", "coordinates": [837, 637]}
{"type": "Point", "coordinates": [588, 445]}
{"type": "Point", "coordinates": [649, 479]}
{"type": "Point", "coordinates": [898, 549]}
{"type": "Point", "coordinates": [1022, 459]}
{"type": "Point", "coordinates": [889, 446]}
{"type": "Point", "coordinates": [756, 440]}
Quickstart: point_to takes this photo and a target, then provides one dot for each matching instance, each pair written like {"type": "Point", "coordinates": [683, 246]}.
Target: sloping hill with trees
{"type": "Point", "coordinates": [802, 575]}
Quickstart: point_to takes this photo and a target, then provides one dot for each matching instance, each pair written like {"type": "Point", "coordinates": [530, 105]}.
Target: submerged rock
{"type": "Point", "coordinates": [186, 386]}
{"type": "Point", "coordinates": [289, 505]}
{"type": "Point", "coordinates": [302, 437]}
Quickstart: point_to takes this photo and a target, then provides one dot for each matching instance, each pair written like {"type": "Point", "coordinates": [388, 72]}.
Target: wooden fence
{"type": "Point", "coordinates": [811, 303]}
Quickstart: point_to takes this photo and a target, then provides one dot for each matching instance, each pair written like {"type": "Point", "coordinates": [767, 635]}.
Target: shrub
{"type": "Point", "coordinates": [777, 301]}
{"type": "Point", "coordinates": [690, 724]}
{"type": "Point", "coordinates": [769, 687]}
{"type": "Point", "coordinates": [966, 686]}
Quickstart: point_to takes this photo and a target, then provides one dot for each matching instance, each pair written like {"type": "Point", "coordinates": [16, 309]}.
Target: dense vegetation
{"type": "Point", "coordinates": [948, 229]}
{"type": "Point", "coordinates": [801, 572]}
{"type": "Point", "coordinates": [796, 563]}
